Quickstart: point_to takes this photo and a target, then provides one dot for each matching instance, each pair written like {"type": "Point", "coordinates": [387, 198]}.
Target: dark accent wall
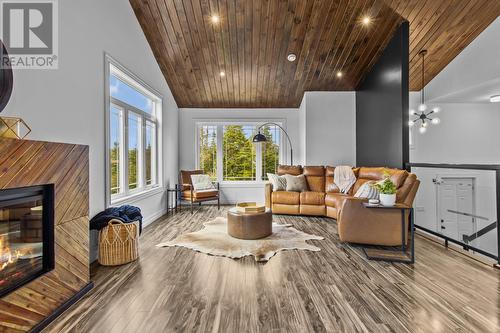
{"type": "Point", "coordinates": [382, 137]}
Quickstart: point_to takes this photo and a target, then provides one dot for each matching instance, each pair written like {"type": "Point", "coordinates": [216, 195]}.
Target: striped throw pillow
{"type": "Point", "coordinates": [279, 182]}
{"type": "Point", "coordinates": [367, 191]}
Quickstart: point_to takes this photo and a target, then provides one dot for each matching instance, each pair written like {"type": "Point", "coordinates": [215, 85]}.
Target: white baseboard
{"type": "Point", "coordinates": [153, 217]}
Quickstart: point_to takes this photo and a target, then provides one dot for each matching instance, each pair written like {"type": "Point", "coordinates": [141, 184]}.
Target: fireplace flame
{"type": "Point", "coordinates": [9, 256]}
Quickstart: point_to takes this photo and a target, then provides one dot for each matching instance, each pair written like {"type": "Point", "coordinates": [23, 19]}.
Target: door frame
{"type": "Point", "coordinates": [437, 183]}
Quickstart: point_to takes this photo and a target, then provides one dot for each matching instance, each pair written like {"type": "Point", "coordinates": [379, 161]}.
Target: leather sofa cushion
{"type": "Point", "coordinates": [285, 209]}
{"type": "Point", "coordinates": [404, 190]}
{"type": "Point", "coordinates": [331, 187]}
{"type": "Point", "coordinates": [313, 210]}
{"type": "Point", "coordinates": [335, 200]}
{"type": "Point", "coordinates": [314, 171]}
{"type": "Point", "coordinates": [329, 171]}
{"type": "Point", "coordinates": [397, 176]}
{"type": "Point", "coordinates": [202, 194]}
{"type": "Point", "coordinates": [285, 197]}
{"type": "Point", "coordinates": [315, 176]}
{"type": "Point", "coordinates": [294, 170]}
{"type": "Point", "coordinates": [312, 198]}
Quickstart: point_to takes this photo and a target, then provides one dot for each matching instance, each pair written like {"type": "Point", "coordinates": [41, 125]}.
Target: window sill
{"type": "Point", "coordinates": [137, 196]}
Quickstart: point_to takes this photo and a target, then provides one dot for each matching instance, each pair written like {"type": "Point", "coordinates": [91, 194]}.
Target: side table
{"type": "Point", "coordinates": [172, 200]}
{"type": "Point", "coordinates": [391, 255]}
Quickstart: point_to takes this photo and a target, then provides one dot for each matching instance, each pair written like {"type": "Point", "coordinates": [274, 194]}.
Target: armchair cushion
{"type": "Point", "coordinates": [202, 194]}
{"type": "Point", "coordinates": [202, 182]}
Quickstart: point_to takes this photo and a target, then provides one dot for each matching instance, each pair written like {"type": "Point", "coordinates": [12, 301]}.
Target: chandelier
{"type": "Point", "coordinates": [423, 115]}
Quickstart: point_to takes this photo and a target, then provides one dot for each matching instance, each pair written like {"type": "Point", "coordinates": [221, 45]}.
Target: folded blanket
{"type": "Point", "coordinates": [125, 213]}
{"type": "Point", "coordinates": [344, 178]}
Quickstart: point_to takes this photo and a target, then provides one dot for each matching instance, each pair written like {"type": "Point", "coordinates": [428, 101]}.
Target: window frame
{"type": "Point", "coordinates": [113, 68]}
{"type": "Point", "coordinates": [219, 147]}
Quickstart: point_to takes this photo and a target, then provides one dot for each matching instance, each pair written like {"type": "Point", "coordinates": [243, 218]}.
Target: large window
{"type": "Point", "coordinates": [133, 118]}
{"type": "Point", "coordinates": [226, 151]}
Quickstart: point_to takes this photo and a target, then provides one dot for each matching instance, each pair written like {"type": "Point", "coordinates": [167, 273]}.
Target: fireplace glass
{"type": "Point", "coordinates": [26, 235]}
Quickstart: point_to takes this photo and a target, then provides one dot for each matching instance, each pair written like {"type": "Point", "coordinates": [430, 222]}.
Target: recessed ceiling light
{"type": "Point", "coordinates": [291, 57]}
{"type": "Point", "coordinates": [495, 99]}
{"type": "Point", "coordinates": [222, 74]}
{"type": "Point", "coordinates": [339, 74]}
{"type": "Point", "coordinates": [366, 20]}
{"type": "Point", "coordinates": [215, 19]}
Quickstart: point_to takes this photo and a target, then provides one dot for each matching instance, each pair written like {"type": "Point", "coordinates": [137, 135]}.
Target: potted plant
{"type": "Point", "coordinates": [387, 190]}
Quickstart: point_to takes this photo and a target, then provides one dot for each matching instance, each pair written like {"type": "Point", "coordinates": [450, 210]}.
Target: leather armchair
{"type": "Point", "coordinates": [187, 192]}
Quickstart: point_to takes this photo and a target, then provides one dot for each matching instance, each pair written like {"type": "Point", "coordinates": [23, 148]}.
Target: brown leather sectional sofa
{"type": "Point", "coordinates": [356, 223]}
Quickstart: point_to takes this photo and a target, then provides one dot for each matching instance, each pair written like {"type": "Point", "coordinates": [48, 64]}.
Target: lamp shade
{"type": "Point", "coordinates": [259, 138]}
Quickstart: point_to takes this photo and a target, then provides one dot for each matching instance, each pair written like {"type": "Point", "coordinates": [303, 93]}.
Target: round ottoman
{"type": "Point", "coordinates": [249, 225]}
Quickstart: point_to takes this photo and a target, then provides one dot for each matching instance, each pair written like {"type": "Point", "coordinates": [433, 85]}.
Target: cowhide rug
{"type": "Point", "coordinates": [214, 240]}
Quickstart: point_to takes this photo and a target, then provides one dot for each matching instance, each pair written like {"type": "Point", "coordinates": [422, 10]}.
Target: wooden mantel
{"type": "Point", "coordinates": [29, 163]}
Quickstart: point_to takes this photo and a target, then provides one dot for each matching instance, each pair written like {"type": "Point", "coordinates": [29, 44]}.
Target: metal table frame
{"type": "Point", "coordinates": [404, 258]}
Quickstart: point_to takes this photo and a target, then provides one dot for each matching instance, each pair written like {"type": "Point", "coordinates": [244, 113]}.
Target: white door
{"type": "Point", "coordinates": [455, 205]}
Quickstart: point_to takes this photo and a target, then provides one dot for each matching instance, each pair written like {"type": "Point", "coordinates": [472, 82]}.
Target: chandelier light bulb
{"type": "Point", "coordinates": [436, 109]}
{"type": "Point", "coordinates": [425, 124]}
{"type": "Point", "coordinates": [412, 112]}
{"type": "Point", "coordinates": [436, 121]}
{"type": "Point", "coordinates": [422, 129]}
{"type": "Point", "coordinates": [411, 123]}
{"type": "Point", "coordinates": [422, 107]}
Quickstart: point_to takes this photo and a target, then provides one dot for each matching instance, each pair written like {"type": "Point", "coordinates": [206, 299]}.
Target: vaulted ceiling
{"type": "Point", "coordinates": [252, 38]}
{"type": "Point", "coordinates": [444, 28]}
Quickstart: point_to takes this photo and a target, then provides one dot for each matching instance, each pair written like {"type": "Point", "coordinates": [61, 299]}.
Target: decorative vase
{"type": "Point", "coordinates": [387, 199]}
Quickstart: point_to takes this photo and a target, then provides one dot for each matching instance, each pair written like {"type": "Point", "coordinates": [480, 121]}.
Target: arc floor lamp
{"type": "Point", "coordinates": [260, 138]}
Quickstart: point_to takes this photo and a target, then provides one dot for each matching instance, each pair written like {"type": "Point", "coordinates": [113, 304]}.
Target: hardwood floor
{"type": "Point", "coordinates": [335, 290]}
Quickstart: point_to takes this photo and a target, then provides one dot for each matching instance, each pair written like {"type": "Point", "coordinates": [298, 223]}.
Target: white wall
{"type": "Point", "coordinates": [468, 133]}
{"type": "Point", "coordinates": [329, 119]}
{"type": "Point", "coordinates": [232, 193]}
{"type": "Point", "coordinates": [67, 105]}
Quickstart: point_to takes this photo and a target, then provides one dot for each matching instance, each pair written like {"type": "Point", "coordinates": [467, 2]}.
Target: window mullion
{"type": "Point", "coordinates": [258, 161]}
{"type": "Point", "coordinates": [142, 160]}
{"type": "Point", "coordinates": [126, 151]}
{"type": "Point", "coordinates": [219, 153]}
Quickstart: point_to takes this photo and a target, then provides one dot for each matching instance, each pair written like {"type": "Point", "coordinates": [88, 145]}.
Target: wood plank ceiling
{"type": "Point", "coordinates": [444, 28]}
{"type": "Point", "coordinates": [252, 39]}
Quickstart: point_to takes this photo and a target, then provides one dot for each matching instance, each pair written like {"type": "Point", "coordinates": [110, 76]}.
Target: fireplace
{"type": "Point", "coordinates": [26, 235]}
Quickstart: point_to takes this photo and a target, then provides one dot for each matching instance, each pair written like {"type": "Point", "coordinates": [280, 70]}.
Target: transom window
{"type": "Point", "coordinates": [132, 149]}
{"type": "Point", "coordinates": [225, 151]}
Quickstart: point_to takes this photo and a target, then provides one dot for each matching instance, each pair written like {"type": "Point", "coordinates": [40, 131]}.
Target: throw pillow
{"type": "Point", "coordinates": [296, 183]}
{"type": "Point", "coordinates": [279, 182]}
{"type": "Point", "coordinates": [202, 182]}
{"type": "Point", "coordinates": [367, 191]}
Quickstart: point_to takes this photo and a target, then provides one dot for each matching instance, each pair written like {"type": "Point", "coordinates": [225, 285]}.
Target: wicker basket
{"type": "Point", "coordinates": [118, 243]}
